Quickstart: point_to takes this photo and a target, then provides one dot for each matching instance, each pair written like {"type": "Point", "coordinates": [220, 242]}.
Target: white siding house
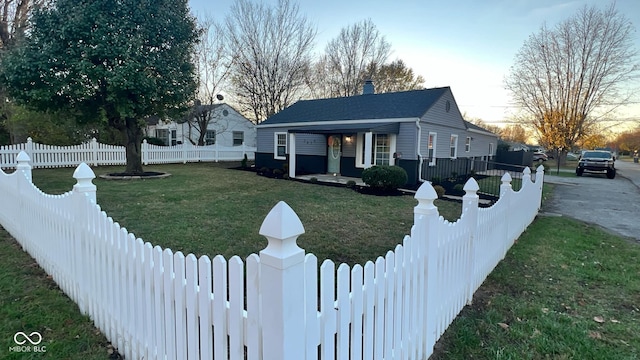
{"type": "Point", "coordinates": [227, 128]}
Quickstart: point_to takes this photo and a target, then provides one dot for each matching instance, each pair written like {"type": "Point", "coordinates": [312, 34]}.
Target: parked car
{"type": "Point", "coordinates": [540, 156]}
{"type": "Point", "coordinates": [572, 157]}
{"type": "Point", "coordinates": [597, 161]}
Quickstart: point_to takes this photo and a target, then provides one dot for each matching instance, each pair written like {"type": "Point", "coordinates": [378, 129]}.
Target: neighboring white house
{"type": "Point", "coordinates": [227, 128]}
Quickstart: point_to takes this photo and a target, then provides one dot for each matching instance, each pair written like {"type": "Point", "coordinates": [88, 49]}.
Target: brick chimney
{"type": "Point", "coordinates": [368, 88]}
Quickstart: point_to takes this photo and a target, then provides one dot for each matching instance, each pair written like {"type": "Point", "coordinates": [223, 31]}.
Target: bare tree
{"type": "Point", "coordinates": [514, 133]}
{"type": "Point", "coordinates": [14, 18]}
{"type": "Point", "coordinates": [318, 86]}
{"type": "Point", "coordinates": [394, 76]}
{"type": "Point", "coordinates": [213, 65]}
{"type": "Point", "coordinates": [567, 79]}
{"type": "Point", "coordinates": [356, 48]}
{"type": "Point", "coordinates": [272, 55]}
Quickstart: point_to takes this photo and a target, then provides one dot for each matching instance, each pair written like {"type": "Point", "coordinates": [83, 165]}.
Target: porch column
{"type": "Point", "coordinates": [368, 143]}
{"type": "Point", "coordinates": [292, 155]}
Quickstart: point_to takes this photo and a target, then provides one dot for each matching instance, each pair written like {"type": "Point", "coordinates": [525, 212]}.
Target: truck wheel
{"type": "Point", "coordinates": [579, 172]}
{"type": "Point", "coordinates": [611, 174]}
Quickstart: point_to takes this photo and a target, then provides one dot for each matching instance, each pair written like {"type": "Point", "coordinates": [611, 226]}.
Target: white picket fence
{"type": "Point", "coordinates": [95, 153]}
{"type": "Point", "coordinates": [152, 303]}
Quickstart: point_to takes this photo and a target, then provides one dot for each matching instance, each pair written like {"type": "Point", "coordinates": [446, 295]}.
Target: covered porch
{"type": "Point", "coordinates": [334, 133]}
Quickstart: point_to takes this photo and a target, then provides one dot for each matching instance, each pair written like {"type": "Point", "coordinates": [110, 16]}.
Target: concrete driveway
{"type": "Point", "coordinates": [613, 204]}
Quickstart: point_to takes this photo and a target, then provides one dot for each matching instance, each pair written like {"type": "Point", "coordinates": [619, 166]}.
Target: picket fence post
{"type": "Point", "coordinates": [505, 196]}
{"type": "Point", "coordinates": [94, 151]}
{"type": "Point", "coordinates": [83, 189]}
{"type": "Point", "coordinates": [470, 208]}
{"type": "Point", "coordinates": [29, 148]}
{"type": "Point", "coordinates": [84, 177]}
{"type": "Point", "coordinates": [23, 164]}
{"type": "Point", "coordinates": [145, 152]}
{"type": "Point", "coordinates": [25, 167]}
{"type": "Point", "coordinates": [539, 184]}
{"type": "Point", "coordinates": [425, 233]}
{"type": "Point", "coordinates": [282, 286]}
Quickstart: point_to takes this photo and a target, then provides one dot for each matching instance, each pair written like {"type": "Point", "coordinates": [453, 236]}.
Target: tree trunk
{"type": "Point", "coordinates": [201, 138]}
{"type": "Point", "coordinates": [132, 135]}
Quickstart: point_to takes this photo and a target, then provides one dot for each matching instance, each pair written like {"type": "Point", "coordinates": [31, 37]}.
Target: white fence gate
{"type": "Point", "coordinates": [95, 154]}
{"type": "Point", "coordinates": [152, 303]}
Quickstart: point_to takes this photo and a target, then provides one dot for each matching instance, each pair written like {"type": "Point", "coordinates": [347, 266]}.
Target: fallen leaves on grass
{"type": "Point", "coordinates": [598, 319]}
{"type": "Point", "coordinates": [595, 335]}
{"type": "Point", "coordinates": [504, 326]}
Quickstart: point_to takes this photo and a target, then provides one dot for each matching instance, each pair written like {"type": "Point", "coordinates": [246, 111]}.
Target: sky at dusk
{"type": "Point", "coordinates": [468, 45]}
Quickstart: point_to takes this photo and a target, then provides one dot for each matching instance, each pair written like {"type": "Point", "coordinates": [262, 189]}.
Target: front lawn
{"type": "Point", "coordinates": [209, 209]}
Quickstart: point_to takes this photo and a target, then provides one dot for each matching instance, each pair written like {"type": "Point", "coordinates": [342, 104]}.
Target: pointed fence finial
{"type": "Point", "coordinates": [471, 187]}
{"type": "Point", "coordinates": [506, 178]}
{"type": "Point", "coordinates": [425, 195]}
{"type": "Point", "coordinates": [281, 227]}
{"type": "Point", "coordinates": [24, 164]}
{"type": "Point", "coordinates": [84, 176]}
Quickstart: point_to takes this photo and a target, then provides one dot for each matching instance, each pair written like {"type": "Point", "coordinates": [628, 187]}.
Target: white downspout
{"type": "Point", "coordinates": [418, 151]}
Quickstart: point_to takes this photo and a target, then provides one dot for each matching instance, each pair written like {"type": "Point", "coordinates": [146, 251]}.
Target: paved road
{"type": "Point", "coordinates": [612, 204]}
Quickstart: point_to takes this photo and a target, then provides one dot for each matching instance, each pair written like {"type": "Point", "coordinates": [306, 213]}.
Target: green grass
{"type": "Point", "coordinates": [559, 276]}
{"type": "Point", "coordinates": [30, 301]}
{"type": "Point", "coordinates": [566, 290]}
{"type": "Point", "coordinates": [209, 209]}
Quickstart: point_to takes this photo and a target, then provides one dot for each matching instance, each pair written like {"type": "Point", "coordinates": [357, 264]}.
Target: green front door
{"type": "Point", "coordinates": [333, 154]}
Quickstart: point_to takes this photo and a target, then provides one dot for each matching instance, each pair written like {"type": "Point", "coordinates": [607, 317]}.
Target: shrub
{"type": "Point", "coordinates": [277, 173]}
{"type": "Point", "coordinates": [314, 180]}
{"type": "Point", "coordinates": [351, 184]}
{"type": "Point", "coordinates": [439, 190]}
{"type": "Point", "coordinates": [458, 187]}
{"type": "Point", "coordinates": [384, 177]}
{"type": "Point", "coordinates": [436, 180]}
{"type": "Point", "coordinates": [154, 141]}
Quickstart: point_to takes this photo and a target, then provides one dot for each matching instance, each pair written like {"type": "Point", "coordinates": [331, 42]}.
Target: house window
{"type": "Point", "coordinates": [382, 148]}
{"type": "Point", "coordinates": [382, 154]}
{"type": "Point", "coordinates": [238, 138]}
{"type": "Point", "coordinates": [163, 134]}
{"type": "Point", "coordinates": [174, 136]}
{"type": "Point", "coordinates": [453, 153]}
{"type": "Point", "coordinates": [210, 137]}
{"type": "Point", "coordinates": [280, 146]}
{"type": "Point", "coordinates": [432, 148]}
{"type": "Point", "coordinates": [467, 144]}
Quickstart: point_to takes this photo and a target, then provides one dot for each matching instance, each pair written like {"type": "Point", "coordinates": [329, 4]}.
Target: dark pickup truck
{"type": "Point", "coordinates": [597, 161]}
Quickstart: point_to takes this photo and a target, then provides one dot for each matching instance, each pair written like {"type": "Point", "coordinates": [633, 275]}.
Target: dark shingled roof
{"type": "Point", "coordinates": [405, 104]}
{"type": "Point", "coordinates": [476, 127]}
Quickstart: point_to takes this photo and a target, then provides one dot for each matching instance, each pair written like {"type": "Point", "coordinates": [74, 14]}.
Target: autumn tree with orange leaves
{"type": "Point", "coordinates": [569, 78]}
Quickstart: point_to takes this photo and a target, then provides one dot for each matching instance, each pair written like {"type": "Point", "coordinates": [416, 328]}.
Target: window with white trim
{"type": "Point", "coordinates": [433, 137]}
{"type": "Point", "coordinates": [453, 146]}
{"type": "Point", "coordinates": [382, 149]}
{"type": "Point", "coordinates": [238, 138]}
{"type": "Point", "coordinates": [280, 145]}
{"type": "Point", "coordinates": [163, 134]}
{"type": "Point", "coordinates": [467, 144]}
{"type": "Point", "coordinates": [210, 137]}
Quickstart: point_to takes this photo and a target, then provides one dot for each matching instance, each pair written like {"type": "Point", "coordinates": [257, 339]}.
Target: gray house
{"type": "Point", "coordinates": [422, 131]}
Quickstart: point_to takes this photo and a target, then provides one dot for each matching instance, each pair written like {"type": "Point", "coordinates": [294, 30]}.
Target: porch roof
{"type": "Point", "coordinates": [378, 128]}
